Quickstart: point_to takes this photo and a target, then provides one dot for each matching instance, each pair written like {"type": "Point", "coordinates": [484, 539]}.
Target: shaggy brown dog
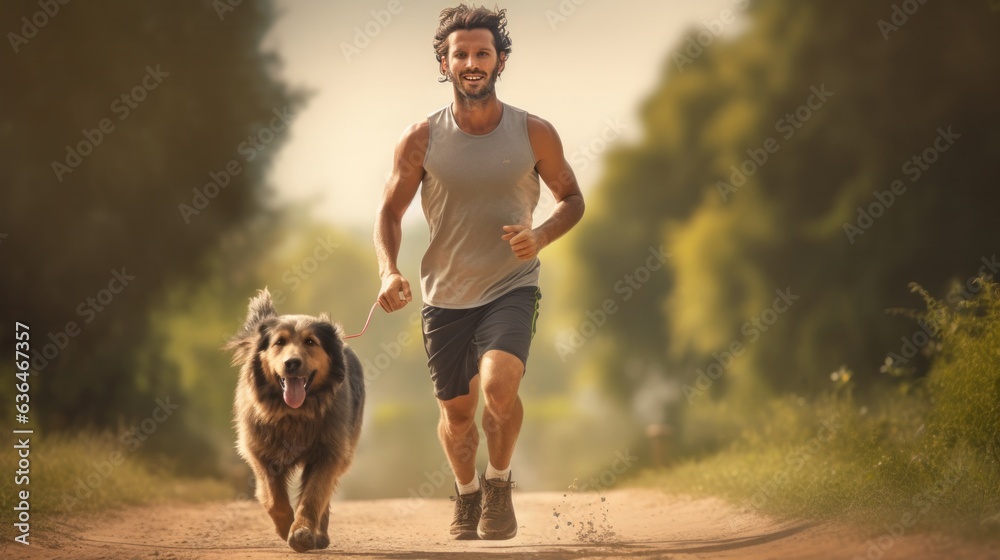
{"type": "Point", "coordinates": [299, 402]}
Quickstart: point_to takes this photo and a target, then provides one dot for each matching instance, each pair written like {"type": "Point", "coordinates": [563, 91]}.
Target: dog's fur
{"type": "Point", "coordinates": [319, 436]}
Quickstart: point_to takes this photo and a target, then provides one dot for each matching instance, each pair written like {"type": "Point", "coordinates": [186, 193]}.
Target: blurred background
{"type": "Point", "coordinates": [763, 181]}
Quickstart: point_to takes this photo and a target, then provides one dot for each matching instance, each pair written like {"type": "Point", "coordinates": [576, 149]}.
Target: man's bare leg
{"type": "Point", "coordinates": [502, 415]}
{"type": "Point", "coordinates": [501, 374]}
{"type": "Point", "coordinates": [459, 434]}
{"type": "Point", "coordinates": [459, 437]}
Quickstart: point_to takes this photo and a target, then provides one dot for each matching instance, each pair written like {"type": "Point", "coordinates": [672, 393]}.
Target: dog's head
{"type": "Point", "coordinates": [292, 357]}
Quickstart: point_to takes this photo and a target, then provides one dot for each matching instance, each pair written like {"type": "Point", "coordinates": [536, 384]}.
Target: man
{"type": "Point", "coordinates": [479, 161]}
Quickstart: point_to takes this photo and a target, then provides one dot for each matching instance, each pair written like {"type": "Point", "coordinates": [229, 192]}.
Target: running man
{"type": "Point", "coordinates": [479, 161]}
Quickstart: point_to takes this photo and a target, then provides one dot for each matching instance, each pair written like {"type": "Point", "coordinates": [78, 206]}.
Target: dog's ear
{"type": "Point", "coordinates": [329, 337]}
{"type": "Point", "coordinates": [240, 346]}
{"type": "Point", "coordinates": [331, 341]}
{"type": "Point", "coordinates": [247, 343]}
{"type": "Point", "coordinates": [261, 307]}
{"type": "Point", "coordinates": [257, 344]}
{"type": "Point", "coordinates": [264, 334]}
{"type": "Point", "coordinates": [250, 337]}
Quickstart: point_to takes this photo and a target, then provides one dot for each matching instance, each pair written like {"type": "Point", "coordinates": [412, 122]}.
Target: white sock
{"type": "Point", "coordinates": [470, 488]}
{"type": "Point", "coordinates": [494, 473]}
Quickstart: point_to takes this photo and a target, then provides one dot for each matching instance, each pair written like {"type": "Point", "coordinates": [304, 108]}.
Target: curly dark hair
{"type": "Point", "coordinates": [468, 18]}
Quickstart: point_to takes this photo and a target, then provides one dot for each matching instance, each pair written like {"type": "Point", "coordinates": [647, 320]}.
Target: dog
{"type": "Point", "coordinates": [299, 403]}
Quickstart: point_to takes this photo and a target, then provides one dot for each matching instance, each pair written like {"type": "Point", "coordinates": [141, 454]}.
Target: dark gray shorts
{"type": "Point", "coordinates": [456, 339]}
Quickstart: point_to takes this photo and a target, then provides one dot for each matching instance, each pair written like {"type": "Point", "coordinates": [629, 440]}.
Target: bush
{"type": "Point", "coordinates": [927, 450]}
{"type": "Point", "coordinates": [964, 383]}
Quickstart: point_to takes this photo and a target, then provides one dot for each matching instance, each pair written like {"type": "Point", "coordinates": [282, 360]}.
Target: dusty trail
{"type": "Point", "coordinates": [626, 524]}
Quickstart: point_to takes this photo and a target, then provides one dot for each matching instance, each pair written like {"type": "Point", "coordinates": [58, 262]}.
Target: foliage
{"type": "Point", "coordinates": [179, 90]}
{"type": "Point", "coordinates": [930, 452]}
{"type": "Point", "coordinates": [964, 384]}
{"type": "Point", "coordinates": [862, 107]}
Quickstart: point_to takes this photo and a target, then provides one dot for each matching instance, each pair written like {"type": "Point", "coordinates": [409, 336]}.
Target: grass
{"type": "Point", "coordinates": [925, 454]}
{"type": "Point", "coordinates": [91, 473]}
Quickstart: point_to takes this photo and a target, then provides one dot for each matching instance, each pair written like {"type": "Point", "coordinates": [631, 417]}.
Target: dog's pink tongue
{"type": "Point", "coordinates": [295, 391]}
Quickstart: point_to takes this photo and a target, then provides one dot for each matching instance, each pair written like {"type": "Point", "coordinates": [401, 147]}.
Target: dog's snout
{"type": "Point", "coordinates": [292, 365]}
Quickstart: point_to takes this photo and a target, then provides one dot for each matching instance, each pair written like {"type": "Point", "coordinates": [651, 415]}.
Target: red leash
{"type": "Point", "coordinates": [370, 313]}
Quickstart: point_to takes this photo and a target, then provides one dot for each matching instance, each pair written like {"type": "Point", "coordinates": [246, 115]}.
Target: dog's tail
{"type": "Point", "coordinates": [260, 309]}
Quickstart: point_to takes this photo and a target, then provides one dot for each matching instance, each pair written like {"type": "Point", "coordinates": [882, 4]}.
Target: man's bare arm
{"type": "Point", "coordinates": [558, 175]}
{"type": "Point", "coordinates": [400, 189]}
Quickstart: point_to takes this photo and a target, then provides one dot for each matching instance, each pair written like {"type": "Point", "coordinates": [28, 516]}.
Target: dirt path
{"type": "Point", "coordinates": [627, 523]}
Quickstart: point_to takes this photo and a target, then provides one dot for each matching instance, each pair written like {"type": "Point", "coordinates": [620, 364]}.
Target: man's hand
{"type": "Point", "coordinates": [524, 241]}
{"type": "Point", "coordinates": [395, 293]}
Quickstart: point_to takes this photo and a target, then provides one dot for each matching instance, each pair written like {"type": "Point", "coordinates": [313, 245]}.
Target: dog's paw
{"type": "Point", "coordinates": [283, 533]}
{"type": "Point", "coordinates": [322, 541]}
{"type": "Point", "coordinates": [282, 527]}
{"type": "Point", "coordinates": [302, 540]}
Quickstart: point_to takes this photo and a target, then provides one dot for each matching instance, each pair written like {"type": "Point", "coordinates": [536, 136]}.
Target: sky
{"type": "Point", "coordinates": [583, 65]}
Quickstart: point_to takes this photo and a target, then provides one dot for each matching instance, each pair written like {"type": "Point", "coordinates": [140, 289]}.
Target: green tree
{"type": "Point", "coordinates": [115, 115]}
{"type": "Point", "coordinates": [839, 103]}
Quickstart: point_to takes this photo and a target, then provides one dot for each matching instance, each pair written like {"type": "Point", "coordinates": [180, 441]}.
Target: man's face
{"type": "Point", "coordinates": [472, 64]}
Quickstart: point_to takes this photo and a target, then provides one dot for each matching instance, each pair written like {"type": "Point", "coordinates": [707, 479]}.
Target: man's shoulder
{"type": "Point", "coordinates": [416, 132]}
{"type": "Point", "coordinates": [438, 113]}
{"type": "Point", "coordinates": [420, 130]}
{"type": "Point", "coordinates": [540, 129]}
{"type": "Point", "coordinates": [533, 120]}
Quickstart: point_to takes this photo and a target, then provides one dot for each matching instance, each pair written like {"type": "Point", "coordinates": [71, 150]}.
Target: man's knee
{"type": "Point", "coordinates": [501, 379]}
{"type": "Point", "coordinates": [458, 415]}
{"type": "Point", "coordinates": [498, 366]}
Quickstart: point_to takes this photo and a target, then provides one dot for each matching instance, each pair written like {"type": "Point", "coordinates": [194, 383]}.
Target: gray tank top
{"type": "Point", "coordinates": [472, 187]}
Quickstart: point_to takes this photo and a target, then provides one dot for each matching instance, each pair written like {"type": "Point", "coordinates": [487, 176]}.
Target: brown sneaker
{"type": "Point", "coordinates": [497, 521]}
{"type": "Point", "coordinates": [468, 509]}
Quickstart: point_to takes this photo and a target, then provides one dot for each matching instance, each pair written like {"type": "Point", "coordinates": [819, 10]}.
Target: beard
{"type": "Point", "coordinates": [488, 88]}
